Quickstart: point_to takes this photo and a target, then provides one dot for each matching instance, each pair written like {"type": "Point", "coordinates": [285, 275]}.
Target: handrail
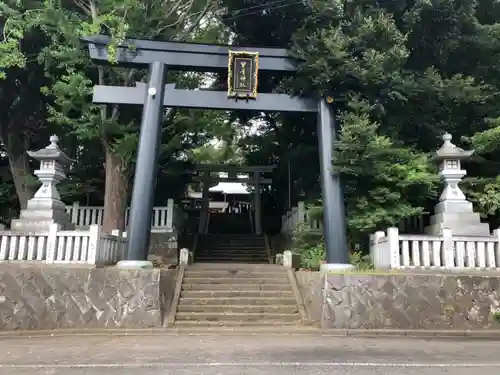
{"type": "Point", "coordinates": [207, 222]}
{"type": "Point", "coordinates": [194, 246]}
{"type": "Point", "coordinates": [252, 225]}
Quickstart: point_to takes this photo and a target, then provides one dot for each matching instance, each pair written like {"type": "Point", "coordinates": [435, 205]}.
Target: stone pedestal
{"type": "Point", "coordinates": [163, 248]}
{"type": "Point", "coordinates": [453, 210]}
{"type": "Point", "coordinates": [46, 207]}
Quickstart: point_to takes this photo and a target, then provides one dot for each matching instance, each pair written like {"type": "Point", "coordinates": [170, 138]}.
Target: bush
{"type": "Point", "coordinates": [309, 245]}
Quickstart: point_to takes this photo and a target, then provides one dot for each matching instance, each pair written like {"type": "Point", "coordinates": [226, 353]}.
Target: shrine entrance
{"type": "Point", "coordinates": [250, 175]}
{"type": "Point", "coordinates": [243, 65]}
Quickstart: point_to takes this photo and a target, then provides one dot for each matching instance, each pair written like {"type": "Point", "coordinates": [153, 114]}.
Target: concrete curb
{"type": "Point", "coordinates": [289, 331]}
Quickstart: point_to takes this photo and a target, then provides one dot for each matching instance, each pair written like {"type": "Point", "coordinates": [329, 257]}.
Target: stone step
{"type": "Point", "coordinates": [261, 301]}
{"type": "Point", "coordinates": [245, 329]}
{"type": "Point", "coordinates": [238, 240]}
{"type": "Point", "coordinates": [238, 317]}
{"type": "Point", "coordinates": [231, 250]}
{"type": "Point", "coordinates": [234, 255]}
{"type": "Point", "coordinates": [236, 280]}
{"type": "Point", "coordinates": [237, 309]}
{"type": "Point", "coordinates": [236, 293]}
{"type": "Point", "coordinates": [215, 324]}
{"type": "Point", "coordinates": [235, 252]}
{"type": "Point", "coordinates": [280, 273]}
{"type": "Point", "coordinates": [232, 237]}
{"type": "Point", "coordinates": [255, 287]}
{"type": "Point", "coordinates": [266, 267]}
{"type": "Point", "coordinates": [220, 259]}
{"type": "Point", "coordinates": [231, 247]}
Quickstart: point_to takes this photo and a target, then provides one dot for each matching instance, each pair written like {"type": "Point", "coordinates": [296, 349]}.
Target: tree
{"type": "Point", "coordinates": [384, 181]}
{"type": "Point", "coordinates": [23, 124]}
{"type": "Point", "coordinates": [64, 22]}
{"type": "Point", "coordinates": [382, 54]}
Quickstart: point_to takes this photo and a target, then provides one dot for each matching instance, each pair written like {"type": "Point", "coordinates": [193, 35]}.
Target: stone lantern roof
{"type": "Point", "coordinates": [51, 152]}
{"type": "Point", "coordinates": [449, 151]}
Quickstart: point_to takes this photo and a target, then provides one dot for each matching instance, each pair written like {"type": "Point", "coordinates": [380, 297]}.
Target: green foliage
{"type": "Point", "coordinates": [384, 181]}
{"type": "Point", "coordinates": [402, 73]}
{"type": "Point", "coordinates": [361, 261]}
{"type": "Point", "coordinates": [310, 246]}
{"type": "Point", "coordinates": [496, 317]}
{"type": "Point", "coordinates": [64, 23]}
{"type": "Point", "coordinates": [113, 129]}
{"type": "Point", "coordinates": [13, 21]}
{"type": "Point", "coordinates": [484, 193]}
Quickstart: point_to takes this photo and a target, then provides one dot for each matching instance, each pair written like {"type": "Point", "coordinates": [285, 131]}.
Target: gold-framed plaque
{"type": "Point", "coordinates": [243, 74]}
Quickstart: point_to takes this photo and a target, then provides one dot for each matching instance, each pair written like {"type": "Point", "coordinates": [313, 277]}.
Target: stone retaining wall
{"type": "Point", "coordinates": [411, 301]}
{"type": "Point", "coordinates": [52, 297]}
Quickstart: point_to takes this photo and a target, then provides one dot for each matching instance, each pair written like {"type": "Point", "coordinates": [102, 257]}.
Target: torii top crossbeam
{"type": "Point", "coordinates": [235, 168]}
{"type": "Point", "coordinates": [184, 56]}
{"type": "Point", "coordinates": [232, 170]}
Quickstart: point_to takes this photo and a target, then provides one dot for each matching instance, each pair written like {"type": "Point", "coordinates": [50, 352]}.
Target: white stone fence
{"type": "Point", "coordinates": [391, 250]}
{"type": "Point", "coordinates": [90, 247]}
{"type": "Point", "coordinates": [299, 214]}
{"type": "Point", "coordinates": [164, 217]}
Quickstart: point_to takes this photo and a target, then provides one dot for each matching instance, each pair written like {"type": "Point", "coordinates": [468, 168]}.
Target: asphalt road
{"type": "Point", "coordinates": [244, 354]}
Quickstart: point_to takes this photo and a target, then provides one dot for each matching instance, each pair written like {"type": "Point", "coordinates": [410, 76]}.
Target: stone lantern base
{"type": "Point", "coordinates": [459, 217]}
{"type": "Point", "coordinates": [39, 215]}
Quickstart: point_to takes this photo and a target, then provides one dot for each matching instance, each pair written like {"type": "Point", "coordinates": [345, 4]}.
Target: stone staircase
{"type": "Point", "coordinates": [236, 295]}
{"type": "Point", "coordinates": [222, 222]}
{"type": "Point", "coordinates": [233, 248]}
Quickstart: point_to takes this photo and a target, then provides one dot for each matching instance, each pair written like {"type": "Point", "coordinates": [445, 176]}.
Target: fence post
{"type": "Point", "coordinates": [170, 214]}
{"type": "Point", "coordinates": [393, 246]}
{"type": "Point", "coordinates": [494, 256]}
{"type": "Point", "coordinates": [117, 254]}
{"type": "Point", "coordinates": [287, 259]}
{"type": "Point", "coordinates": [375, 248]}
{"type": "Point", "coordinates": [301, 209]}
{"type": "Point", "coordinates": [185, 257]}
{"type": "Point", "coordinates": [448, 248]}
{"type": "Point", "coordinates": [74, 212]}
{"type": "Point", "coordinates": [4, 248]}
{"type": "Point", "coordinates": [50, 252]}
{"type": "Point", "coordinates": [94, 244]}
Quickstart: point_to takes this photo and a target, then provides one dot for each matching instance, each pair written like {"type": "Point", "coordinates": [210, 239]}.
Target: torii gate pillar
{"type": "Point", "coordinates": [148, 152]}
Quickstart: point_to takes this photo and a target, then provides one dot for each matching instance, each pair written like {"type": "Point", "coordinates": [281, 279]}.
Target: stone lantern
{"type": "Point", "coordinates": [454, 211]}
{"type": "Point", "coordinates": [46, 208]}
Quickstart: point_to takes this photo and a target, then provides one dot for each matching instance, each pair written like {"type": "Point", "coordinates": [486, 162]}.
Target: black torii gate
{"type": "Point", "coordinates": [243, 64]}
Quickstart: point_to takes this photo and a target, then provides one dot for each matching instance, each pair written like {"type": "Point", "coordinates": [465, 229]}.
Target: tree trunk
{"type": "Point", "coordinates": [20, 168]}
{"type": "Point", "coordinates": [21, 172]}
{"type": "Point", "coordinates": [115, 194]}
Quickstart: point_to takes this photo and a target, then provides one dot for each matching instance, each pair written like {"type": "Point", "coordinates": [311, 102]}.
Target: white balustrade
{"type": "Point", "coordinates": [391, 250]}
{"type": "Point", "coordinates": [299, 214]}
{"type": "Point", "coordinates": [68, 247]}
{"type": "Point", "coordinates": [165, 217]}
